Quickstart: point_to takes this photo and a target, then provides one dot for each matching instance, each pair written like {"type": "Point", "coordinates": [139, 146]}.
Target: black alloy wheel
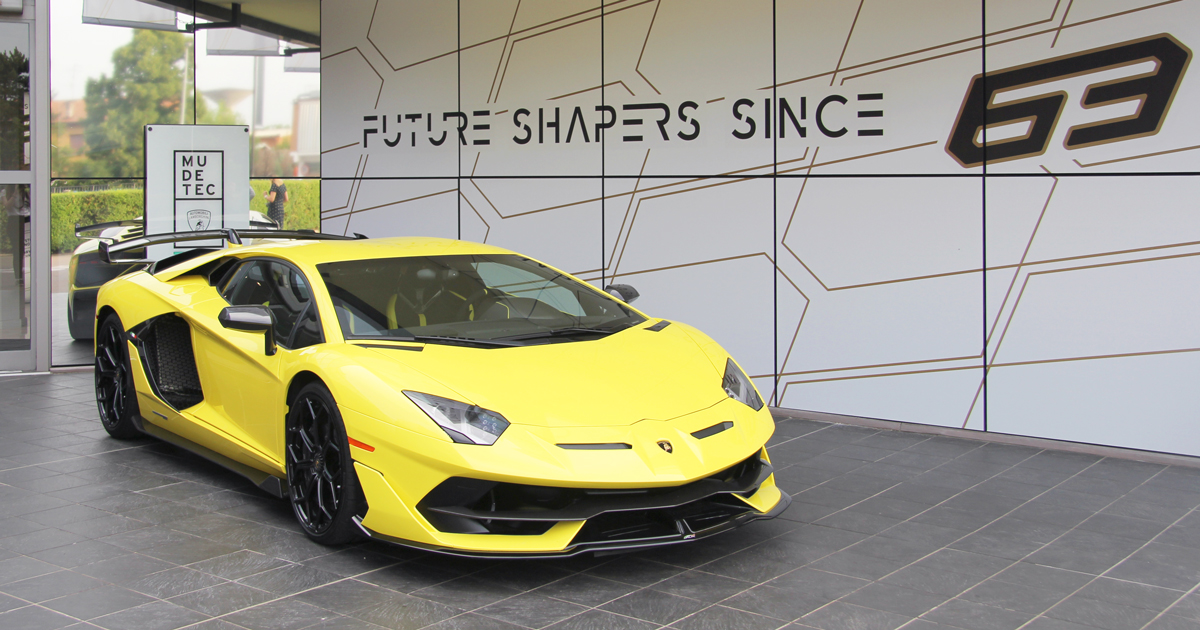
{"type": "Point", "coordinates": [116, 399]}
{"type": "Point", "coordinates": [320, 474]}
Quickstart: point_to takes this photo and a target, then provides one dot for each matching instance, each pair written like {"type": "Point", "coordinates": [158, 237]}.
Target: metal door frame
{"type": "Point", "coordinates": [37, 358]}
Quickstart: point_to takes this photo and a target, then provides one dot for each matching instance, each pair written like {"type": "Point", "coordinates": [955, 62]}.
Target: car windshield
{"type": "Point", "coordinates": [490, 300]}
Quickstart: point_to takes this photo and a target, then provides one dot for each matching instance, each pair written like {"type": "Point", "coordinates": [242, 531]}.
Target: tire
{"type": "Point", "coordinates": [322, 485]}
{"type": "Point", "coordinates": [116, 399]}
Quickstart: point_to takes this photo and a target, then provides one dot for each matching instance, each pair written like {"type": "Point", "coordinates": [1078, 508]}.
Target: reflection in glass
{"type": "Point", "coordinates": [14, 97]}
{"type": "Point", "coordinates": [283, 109]}
{"type": "Point", "coordinates": [76, 270]}
{"type": "Point", "coordinates": [107, 83]}
{"type": "Point", "coordinates": [301, 209]}
{"type": "Point", "coordinates": [14, 267]}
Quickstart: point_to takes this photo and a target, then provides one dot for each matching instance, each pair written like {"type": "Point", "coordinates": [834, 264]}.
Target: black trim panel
{"type": "Point", "coordinates": [599, 548]}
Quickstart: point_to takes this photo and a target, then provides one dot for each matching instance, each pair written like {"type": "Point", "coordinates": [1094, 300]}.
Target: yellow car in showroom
{"type": "Point", "coordinates": [439, 394]}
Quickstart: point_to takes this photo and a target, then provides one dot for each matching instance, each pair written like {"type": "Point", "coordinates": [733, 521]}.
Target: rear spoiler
{"type": "Point", "coordinates": [108, 251]}
{"type": "Point", "coordinates": [82, 231]}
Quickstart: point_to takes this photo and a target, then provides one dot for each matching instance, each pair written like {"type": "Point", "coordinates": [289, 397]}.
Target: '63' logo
{"type": "Point", "coordinates": [1153, 89]}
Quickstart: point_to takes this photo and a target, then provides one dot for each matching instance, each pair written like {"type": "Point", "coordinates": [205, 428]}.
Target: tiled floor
{"type": "Point", "coordinates": [888, 530]}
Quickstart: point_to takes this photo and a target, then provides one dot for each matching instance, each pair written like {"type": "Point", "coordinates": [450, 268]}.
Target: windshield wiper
{"type": "Point", "coordinates": [465, 341]}
{"type": "Point", "coordinates": [564, 332]}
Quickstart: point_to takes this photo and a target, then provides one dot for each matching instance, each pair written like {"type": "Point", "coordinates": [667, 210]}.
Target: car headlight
{"type": "Point", "coordinates": [465, 424]}
{"type": "Point", "coordinates": [738, 386]}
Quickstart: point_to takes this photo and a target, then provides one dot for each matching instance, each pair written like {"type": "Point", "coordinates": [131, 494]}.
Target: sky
{"type": "Point", "coordinates": [81, 51]}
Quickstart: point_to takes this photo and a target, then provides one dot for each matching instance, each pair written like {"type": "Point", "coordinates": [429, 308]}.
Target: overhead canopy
{"type": "Point", "coordinates": [297, 21]}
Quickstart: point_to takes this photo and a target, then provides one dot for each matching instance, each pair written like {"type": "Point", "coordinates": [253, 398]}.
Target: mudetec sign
{"type": "Point", "coordinates": [197, 179]}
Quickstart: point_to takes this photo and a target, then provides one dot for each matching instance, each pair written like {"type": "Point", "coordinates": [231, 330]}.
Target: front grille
{"type": "Point", "coordinates": [474, 506]}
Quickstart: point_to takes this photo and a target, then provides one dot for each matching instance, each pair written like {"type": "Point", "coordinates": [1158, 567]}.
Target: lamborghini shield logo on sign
{"type": "Point", "coordinates": [985, 105]}
{"type": "Point", "coordinates": [666, 446]}
{"type": "Point", "coordinates": [199, 219]}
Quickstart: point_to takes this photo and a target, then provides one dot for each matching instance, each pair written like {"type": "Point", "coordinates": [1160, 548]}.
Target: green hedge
{"type": "Point", "coordinates": [303, 211]}
{"type": "Point", "coordinates": [88, 208]}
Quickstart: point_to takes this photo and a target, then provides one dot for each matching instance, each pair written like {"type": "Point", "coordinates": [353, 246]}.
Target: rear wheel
{"type": "Point", "coordinates": [320, 474]}
{"type": "Point", "coordinates": [116, 399]}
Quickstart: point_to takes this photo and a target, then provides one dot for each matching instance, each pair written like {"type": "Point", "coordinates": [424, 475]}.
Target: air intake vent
{"type": "Point", "coordinates": [713, 430]}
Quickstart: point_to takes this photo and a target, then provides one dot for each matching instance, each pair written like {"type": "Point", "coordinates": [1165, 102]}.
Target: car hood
{"type": "Point", "coordinates": [616, 380]}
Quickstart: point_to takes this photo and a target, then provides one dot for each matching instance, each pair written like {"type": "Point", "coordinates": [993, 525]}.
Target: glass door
{"type": "Point", "coordinates": [16, 273]}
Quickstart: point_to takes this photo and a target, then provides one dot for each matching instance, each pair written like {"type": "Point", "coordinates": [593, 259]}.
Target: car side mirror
{"type": "Point", "coordinates": [622, 292]}
{"type": "Point", "coordinates": [251, 319]}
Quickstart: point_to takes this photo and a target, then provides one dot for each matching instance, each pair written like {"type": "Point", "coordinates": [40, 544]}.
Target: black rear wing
{"type": "Point", "coordinates": [108, 251]}
{"type": "Point", "coordinates": [93, 231]}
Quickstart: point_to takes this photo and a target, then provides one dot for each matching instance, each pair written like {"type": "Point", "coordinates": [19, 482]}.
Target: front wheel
{"type": "Point", "coordinates": [116, 399]}
{"type": "Point", "coordinates": [320, 474]}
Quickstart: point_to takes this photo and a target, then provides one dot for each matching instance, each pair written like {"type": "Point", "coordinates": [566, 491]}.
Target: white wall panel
{"type": "Point", "coordinates": [873, 271]}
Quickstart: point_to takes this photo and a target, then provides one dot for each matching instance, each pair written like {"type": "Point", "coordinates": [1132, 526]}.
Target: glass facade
{"type": "Point", "coordinates": [112, 73]}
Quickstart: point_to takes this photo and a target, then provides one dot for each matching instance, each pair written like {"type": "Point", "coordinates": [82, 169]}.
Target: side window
{"type": "Point", "coordinates": [284, 290]}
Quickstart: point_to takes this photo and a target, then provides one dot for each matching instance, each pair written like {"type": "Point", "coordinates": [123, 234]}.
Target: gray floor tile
{"type": "Point", "coordinates": [346, 596]}
{"type": "Point", "coordinates": [531, 610]}
{"type": "Point", "coordinates": [602, 620]}
{"type": "Point", "coordinates": [634, 570]}
{"type": "Point", "coordinates": [724, 618]}
{"type": "Point", "coordinates": [839, 616]}
{"type": "Point", "coordinates": [655, 606]}
{"type": "Point", "coordinates": [586, 590]}
{"type": "Point", "coordinates": [1167, 566]}
{"type": "Point", "coordinates": [283, 614]}
{"type": "Point", "coordinates": [889, 507]}
{"type": "Point", "coordinates": [97, 602]}
{"type": "Point", "coordinates": [854, 521]}
{"type": "Point", "coordinates": [923, 533]}
{"type": "Point", "coordinates": [894, 599]}
{"type": "Point", "coordinates": [785, 603]}
{"type": "Point", "coordinates": [172, 582]}
{"type": "Point", "coordinates": [1182, 536]}
{"type": "Point", "coordinates": [1018, 597]}
{"type": "Point", "coordinates": [158, 615]}
{"type": "Point", "coordinates": [34, 618]}
{"type": "Point", "coordinates": [80, 553]}
{"type": "Point", "coordinates": [1126, 593]}
{"type": "Point", "coordinates": [1101, 614]}
{"type": "Point", "coordinates": [50, 586]}
{"type": "Point", "coordinates": [1089, 552]}
{"type": "Point", "coordinates": [289, 579]}
{"type": "Point", "coordinates": [23, 568]}
{"type": "Point", "coordinates": [702, 586]}
{"type": "Point", "coordinates": [222, 599]}
{"type": "Point", "coordinates": [1124, 526]}
{"type": "Point", "coordinates": [124, 568]}
{"type": "Point", "coordinates": [976, 616]}
{"type": "Point", "coordinates": [467, 593]}
{"type": "Point", "coordinates": [1171, 622]}
{"type": "Point", "coordinates": [404, 611]}
{"type": "Point", "coordinates": [857, 565]}
{"type": "Point", "coordinates": [1010, 538]}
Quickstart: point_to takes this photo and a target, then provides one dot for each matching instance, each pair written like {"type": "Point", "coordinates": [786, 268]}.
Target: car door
{"type": "Point", "coordinates": [246, 386]}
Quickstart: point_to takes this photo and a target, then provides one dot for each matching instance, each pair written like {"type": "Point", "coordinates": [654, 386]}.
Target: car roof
{"type": "Point", "coordinates": [315, 252]}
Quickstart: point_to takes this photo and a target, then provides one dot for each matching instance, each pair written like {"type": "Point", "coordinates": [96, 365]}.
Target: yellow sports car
{"type": "Point", "coordinates": [439, 394]}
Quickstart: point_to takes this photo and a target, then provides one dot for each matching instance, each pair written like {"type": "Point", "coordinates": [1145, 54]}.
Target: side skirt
{"type": "Point", "coordinates": [265, 481]}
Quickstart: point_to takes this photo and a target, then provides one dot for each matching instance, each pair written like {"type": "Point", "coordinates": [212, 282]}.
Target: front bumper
{"type": "Point", "coordinates": [480, 519]}
{"type": "Point", "coordinates": [535, 494]}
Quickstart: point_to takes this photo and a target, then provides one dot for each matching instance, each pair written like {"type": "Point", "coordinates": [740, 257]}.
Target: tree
{"type": "Point", "coordinates": [146, 87]}
{"type": "Point", "coordinates": [14, 89]}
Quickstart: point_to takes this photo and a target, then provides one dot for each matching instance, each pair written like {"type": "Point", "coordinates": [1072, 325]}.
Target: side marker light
{"type": "Point", "coordinates": [366, 447]}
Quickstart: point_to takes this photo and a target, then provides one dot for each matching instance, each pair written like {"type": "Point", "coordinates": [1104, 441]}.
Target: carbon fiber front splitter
{"type": "Point", "coordinates": [684, 535]}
